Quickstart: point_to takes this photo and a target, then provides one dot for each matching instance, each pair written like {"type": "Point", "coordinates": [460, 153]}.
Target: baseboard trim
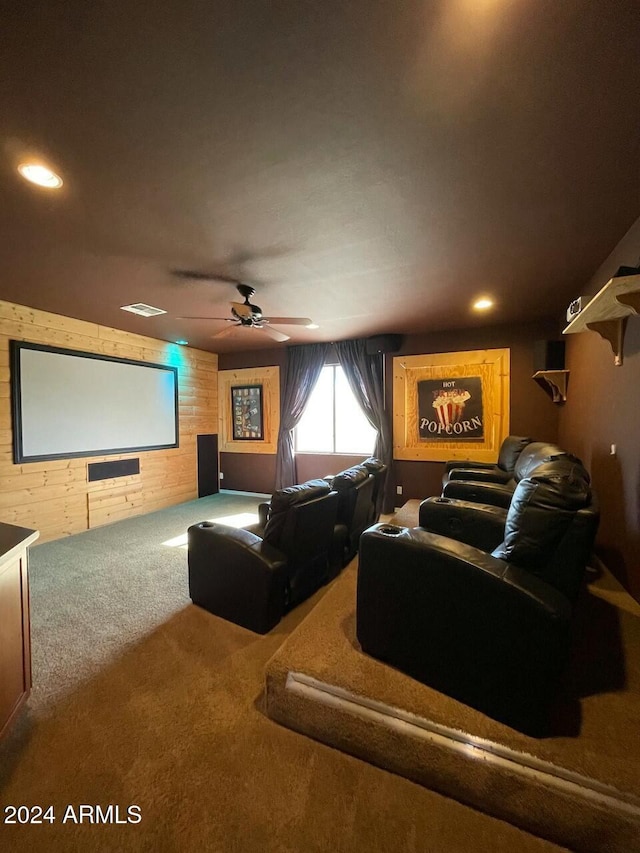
{"type": "Point", "coordinates": [245, 494]}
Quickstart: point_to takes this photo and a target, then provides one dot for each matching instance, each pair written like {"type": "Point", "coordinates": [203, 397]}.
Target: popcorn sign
{"type": "Point", "coordinates": [450, 409]}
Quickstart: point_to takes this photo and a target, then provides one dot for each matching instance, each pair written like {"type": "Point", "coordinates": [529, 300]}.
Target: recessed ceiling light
{"type": "Point", "coordinates": [483, 304]}
{"type": "Point", "coordinates": [312, 326]}
{"type": "Point", "coordinates": [38, 174]}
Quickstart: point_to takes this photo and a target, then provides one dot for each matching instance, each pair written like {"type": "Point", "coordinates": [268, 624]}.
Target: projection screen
{"type": "Point", "coordinates": [67, 403]}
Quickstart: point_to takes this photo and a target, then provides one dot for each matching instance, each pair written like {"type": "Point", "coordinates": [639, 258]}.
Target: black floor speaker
{"type": "Point", "coordinates": [548, 355]}
{"type": "Point", "coordinates": [208, 479]}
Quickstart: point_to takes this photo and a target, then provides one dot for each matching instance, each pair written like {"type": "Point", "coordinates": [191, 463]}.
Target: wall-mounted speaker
{"type": "Point", "coordinates": [112, 468]}
{"type": "Point", "coordinates": [383, 343]}
{"type": "Point", "coordinates": [548, 355]}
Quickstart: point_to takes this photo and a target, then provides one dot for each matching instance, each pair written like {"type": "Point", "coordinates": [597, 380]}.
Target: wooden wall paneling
{"type": "Point", "coordinates": [55, 496]}
{"type": "Point", "coordinates": [114, 504]}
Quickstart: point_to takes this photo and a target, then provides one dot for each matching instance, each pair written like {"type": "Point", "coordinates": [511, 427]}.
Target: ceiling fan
{"type": "Point", "coordinates": [247, 315]}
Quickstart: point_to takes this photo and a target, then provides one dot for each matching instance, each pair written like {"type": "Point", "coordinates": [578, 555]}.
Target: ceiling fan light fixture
{"type": "Point", "coordinates": [41, 175]}
{"type": "Point", "coordinates": [246, 315]}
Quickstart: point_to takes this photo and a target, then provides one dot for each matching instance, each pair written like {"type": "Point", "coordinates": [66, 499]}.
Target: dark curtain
{"type": "Point", "coordinates": [366, 378]}
{"type": "Point", "coordinates": [301, 373]}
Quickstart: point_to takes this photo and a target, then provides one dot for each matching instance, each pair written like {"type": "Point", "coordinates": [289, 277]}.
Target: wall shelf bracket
{"type": "Point", "coordinates": [612, 331]}
{"type": "Point", "coordinates": [607, 313]}
{"type": "Point", "coordinates": [554, 382]}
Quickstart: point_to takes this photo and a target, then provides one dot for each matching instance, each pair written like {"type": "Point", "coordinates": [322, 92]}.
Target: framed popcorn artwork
{"type": "Point", "coordinates": [451, 405]}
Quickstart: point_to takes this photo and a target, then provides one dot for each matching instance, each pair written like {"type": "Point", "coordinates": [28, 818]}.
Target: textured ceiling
{"type": "Point", "coordinates": [371, 165]}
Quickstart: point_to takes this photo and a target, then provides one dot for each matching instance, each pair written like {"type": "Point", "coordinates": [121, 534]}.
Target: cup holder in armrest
{"type": "Point", "coordinates": [390, 529]}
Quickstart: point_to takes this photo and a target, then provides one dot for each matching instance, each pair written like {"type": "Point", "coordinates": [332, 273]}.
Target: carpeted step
{"type": "Point", "coordinates": [579, 788]}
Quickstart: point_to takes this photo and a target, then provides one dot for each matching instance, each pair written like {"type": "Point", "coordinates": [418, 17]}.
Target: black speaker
{"type": "Point", "coordinates": [548, 355]}
{"type": "Point", "coordinates": [383, 343]}
{"type": "Point", "coordinates": [112, 468]}
{"type": "Point", "coordinates": [208, 477]}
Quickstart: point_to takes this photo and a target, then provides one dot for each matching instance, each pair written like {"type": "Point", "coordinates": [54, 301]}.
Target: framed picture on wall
{"type": "Point", "coordinates": [452, 405]}
{"type": "Point", "coordinates": [450, 409]}
{"type": "Point", "coordinates": [246, 412]}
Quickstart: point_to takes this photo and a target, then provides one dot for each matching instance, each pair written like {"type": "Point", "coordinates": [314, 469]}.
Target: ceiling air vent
{"type": "Point", "coordinates": [143, 310]}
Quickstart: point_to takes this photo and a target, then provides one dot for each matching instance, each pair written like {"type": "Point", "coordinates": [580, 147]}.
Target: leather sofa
{"type": "Point", "coordinates": [252, 576]}
{"type": "Point", "coordinates": [486, 620]}
{"type": "Point", "coordinates": [500, 494]}
{"type": "Point", "coordinates": [501, 472]}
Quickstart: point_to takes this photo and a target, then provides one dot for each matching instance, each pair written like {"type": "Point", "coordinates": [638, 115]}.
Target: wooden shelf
{"type": "Point", "coordinates": [607, 313]}
{"type": "Point", "coordinates": [554, 382]}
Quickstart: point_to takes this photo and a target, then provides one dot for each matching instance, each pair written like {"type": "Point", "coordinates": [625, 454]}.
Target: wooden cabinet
{"type": "Point", "coordinates": [15, 638]}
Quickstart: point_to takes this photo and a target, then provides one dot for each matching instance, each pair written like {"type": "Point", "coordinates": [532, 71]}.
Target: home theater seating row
{"type": "Point", "coordinates": [305, 535]}
{"type": "Point", "coordinates": [477, 600]}
{"type": "Point", "coordinates": [482, 486]}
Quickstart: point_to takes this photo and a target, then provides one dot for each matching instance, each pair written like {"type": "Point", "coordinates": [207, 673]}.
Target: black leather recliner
{"type": "Point", "coordinates": [361, 493]}
{"type": "Point", "coordinates": [379, 470]}
{"type": "Point", "coordinates": [355, 488]}
{"type": "Point", "coordinates": [501, 472]}
{"type": "Point", "coordinates": [500, 494]}
{"type": "Point", "coordinates": [485, 526]}
{"type": "Point", "coordinates": [253, 576]}
{"type": "Point", "coordinates": [489, 627]}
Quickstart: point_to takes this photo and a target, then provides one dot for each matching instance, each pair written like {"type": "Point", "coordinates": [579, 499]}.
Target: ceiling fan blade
{"type": "Point", "coordinates": [196, 275]}
{"type": "Point", "coordinates": [225, 319]}
{"type": "Point", "coordinates": [228, 330]}
{"type": "Point", "coordinates": [277, 336]}
{"type": "Point", "coordinates": [243, 309]}
{"type": "Point", "coordinates": [288, 321]}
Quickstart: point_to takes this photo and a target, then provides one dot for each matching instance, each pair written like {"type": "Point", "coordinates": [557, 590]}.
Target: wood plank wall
{"type": "Point", "coordinates": [55, 496]}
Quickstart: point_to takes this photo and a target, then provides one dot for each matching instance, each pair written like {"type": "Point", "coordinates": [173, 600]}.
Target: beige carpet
{"type": "Point", "coordinates": [335, 693]}
{"type": "Point", "coordinates": [154, 702]}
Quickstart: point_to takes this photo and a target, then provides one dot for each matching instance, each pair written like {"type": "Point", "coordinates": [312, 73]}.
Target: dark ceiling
{"type": "Point", "coordinates": [372, 165]}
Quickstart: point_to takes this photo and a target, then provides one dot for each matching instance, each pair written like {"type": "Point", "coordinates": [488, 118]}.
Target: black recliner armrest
{"type": "Point", "coordinates": [236, 575]}
{"type": "Point", "coordinates": [263, 513]}
{"type": "Point", "coordinates": [480, 525]}
{"type": "Point", "coordinates": [465, 463]}
{"type": "Point", "coordinates": [486, 493]}
{"type": "Point", "coordinates": [492, 475]}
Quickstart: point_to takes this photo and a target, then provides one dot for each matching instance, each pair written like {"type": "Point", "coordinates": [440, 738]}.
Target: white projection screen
{"type": "Point", "coordinates": [67, 403]}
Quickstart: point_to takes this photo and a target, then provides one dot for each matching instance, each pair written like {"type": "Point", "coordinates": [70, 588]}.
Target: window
{"type": "Point", "coordinates": [333, 421]}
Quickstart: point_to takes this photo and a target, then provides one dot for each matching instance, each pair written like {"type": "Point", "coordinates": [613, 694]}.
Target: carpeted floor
{"type": "Point", "coordinates": [349, 700]}
{"type": "Point", "coordinates": [142, 698]}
